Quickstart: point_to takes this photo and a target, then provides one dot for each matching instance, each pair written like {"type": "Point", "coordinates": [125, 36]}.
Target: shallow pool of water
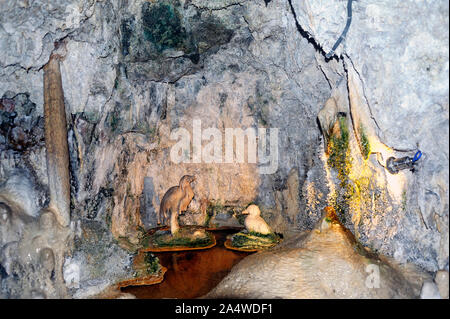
{"type": "Point", "coordinates": [191, 274]}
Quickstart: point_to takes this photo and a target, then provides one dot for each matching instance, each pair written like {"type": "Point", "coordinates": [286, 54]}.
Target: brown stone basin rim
{"type": "Point", "coordinates": [179, 248]}
{"type": "Point", "coordinates": [143, 281]}
{"type": "Point", "coordinates": [228, 245]}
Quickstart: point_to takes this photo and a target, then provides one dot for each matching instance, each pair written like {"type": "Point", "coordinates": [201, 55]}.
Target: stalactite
{"type": "Point", "coordinates": [56, 142]}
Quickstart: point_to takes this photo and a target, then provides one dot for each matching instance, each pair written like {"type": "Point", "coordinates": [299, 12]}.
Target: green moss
{"type": "Point", "coordinates": [141, 232]}
{"type": "Point", "coordinates": [253, 240]}
{"type": "Point", "coordinates": [364, 142]}
{"type": "Point", "coordinates": [182, 239]}
{"type": "Point", "coordinates": [216, 207]}
{"type": "Point", "coordinates": [359, 195]}
{"type": "Point", "coordinates": [271, 236]}
{"type": "Point", "coordinates": [148, 266]}
{"type": "Point", "coordinates": [340, 160]}
{"type": "Point", "coordinates": [163, 241]}
{"type": "Point", "coordinates": [404, 200]}
{"type": "Point", "coordinates": [145, 240]}
{"type": "Point", "coordinates": [207, 219]}
{"type": "Point", "coordinates": [339, 150]}
{"type": "Point", "coordinates": [113, 119]}
{"type": "Point", "coordinates": [162, 26]}
{"type": "Point", "coordinates": [152, 263]}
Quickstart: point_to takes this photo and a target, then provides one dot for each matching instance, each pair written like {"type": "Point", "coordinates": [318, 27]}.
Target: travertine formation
{"type": "Point", "coordinates": [175, 201]}
{"type": "Point", "coordinates": [254, 222]}
{"type": "Point", "coordinates": [133, 72]}
{"type": "Point", "coordinates": [326, 263]}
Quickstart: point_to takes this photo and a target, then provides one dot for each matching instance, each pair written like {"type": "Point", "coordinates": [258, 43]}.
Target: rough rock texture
{"type": "Point", "coordinates": [97, 260]}
{"type": "Point", "coordinates": [442, 281]}
{"type": "Point", "coordinates": [429, 291]}
{"type": "Point", "coordinates": [32, 251]}
{"type": "Point", "coordinates": [399, 66]}
{"type": "Point", "coordinates": [326, 263]}
{"type": "Point", "coordinates": [134, 71]}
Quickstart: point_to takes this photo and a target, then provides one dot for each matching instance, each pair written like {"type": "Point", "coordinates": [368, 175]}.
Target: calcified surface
{"type": "Point", "coordinates": [128, 82]}
{"type": "Point", "coordinates": [326, 263]}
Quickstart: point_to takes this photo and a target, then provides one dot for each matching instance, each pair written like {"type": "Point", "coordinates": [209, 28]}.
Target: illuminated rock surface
{"type": "Point", "coordinates": [133, 71]}
{"type": "Point", "coordinates": [326, 263]}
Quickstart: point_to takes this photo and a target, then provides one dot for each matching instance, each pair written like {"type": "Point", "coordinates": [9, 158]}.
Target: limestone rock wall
{"type": "Point", "coordinates": [133, 71]}
{"type": "Point", "coordinates": [396, 57]}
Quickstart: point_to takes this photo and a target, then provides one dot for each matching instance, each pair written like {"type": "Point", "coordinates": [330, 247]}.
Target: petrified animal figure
{"type": "Point", "coordinates": [189, 194]}
{"type": "Point", "coordinates": [254, 222]}
{"type": "Point", "coordinates": [176, 200]}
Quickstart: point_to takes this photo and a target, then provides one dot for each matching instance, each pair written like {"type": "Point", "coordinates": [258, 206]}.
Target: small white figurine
{"type": "Point", "coordinates": [254, 222]}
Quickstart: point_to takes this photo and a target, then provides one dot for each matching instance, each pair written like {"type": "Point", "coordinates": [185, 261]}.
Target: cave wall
{"type": "Point", "coordinates": [133, 71]}
{"type": "Point", "coordinates": [396, 57]}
